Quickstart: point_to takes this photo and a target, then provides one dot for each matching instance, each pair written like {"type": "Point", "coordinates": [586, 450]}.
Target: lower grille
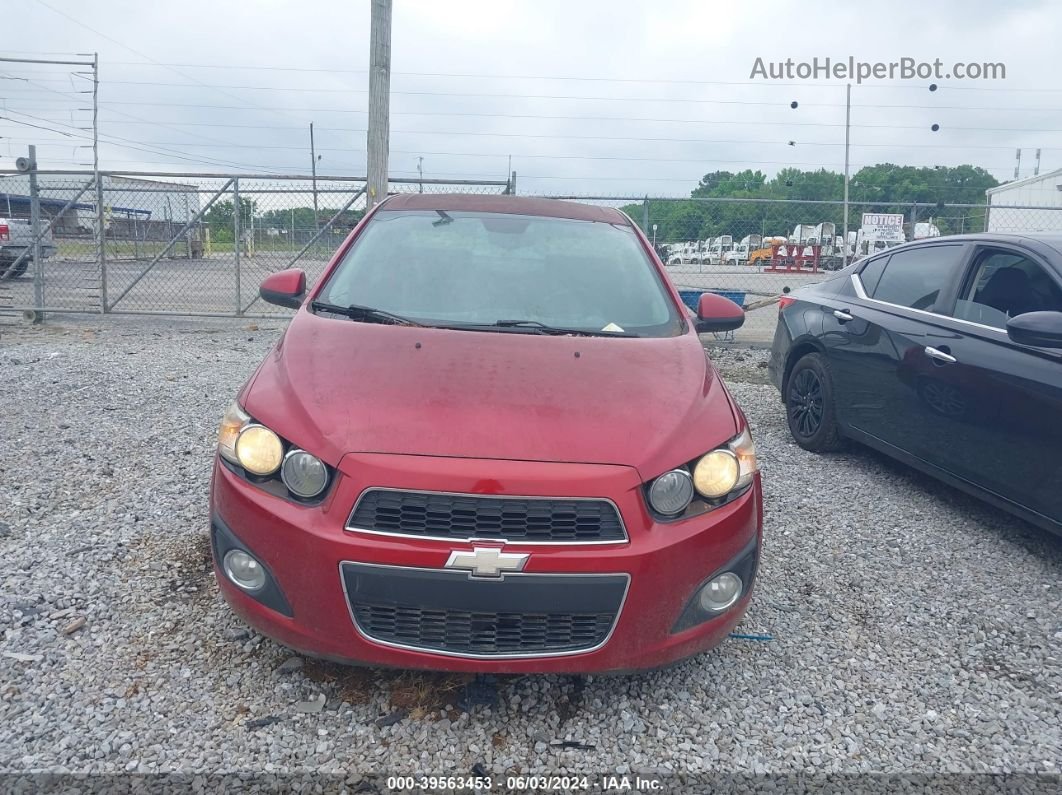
{"type": "Point", "coordinates": [461, 632]}
{"type": "Point", "coordinates": [519, 615]}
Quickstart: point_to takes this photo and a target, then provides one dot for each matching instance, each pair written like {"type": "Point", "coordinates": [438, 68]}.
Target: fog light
{"type": "Point", "coordinates": [721, 592]}
{"type": "Point", "coordinates": [304, 474]}
{"type": "Point", "coordinates": [244, 570]}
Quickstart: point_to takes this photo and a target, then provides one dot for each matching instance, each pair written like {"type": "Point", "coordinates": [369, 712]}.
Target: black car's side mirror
{"type": "Point", "coordinates": [1040, 329]}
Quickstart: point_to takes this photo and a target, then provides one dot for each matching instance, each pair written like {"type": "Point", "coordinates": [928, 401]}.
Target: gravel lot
{"type": "Point", "coordinates": [912, 629]}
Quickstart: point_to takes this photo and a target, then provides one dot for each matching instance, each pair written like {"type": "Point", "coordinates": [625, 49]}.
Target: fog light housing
{"type": "Point", "coordinates": [720, 593]}
{"type": "Point", "coordinates": [304, 474]}
{"type": "Point", "coordinates": [246, 572]}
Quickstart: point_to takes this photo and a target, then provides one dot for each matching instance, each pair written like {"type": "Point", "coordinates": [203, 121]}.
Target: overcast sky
{"type": "Point", "coordinates": [588, 97]}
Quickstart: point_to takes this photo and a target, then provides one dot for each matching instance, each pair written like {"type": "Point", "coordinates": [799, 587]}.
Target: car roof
{"type": "Point", "coordinates": [1034, 240]}
{"type": "Point", "coordinates": [512, 205]}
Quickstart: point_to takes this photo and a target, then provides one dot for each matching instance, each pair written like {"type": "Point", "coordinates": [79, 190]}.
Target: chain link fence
{"type": "Point", "coordinates": [200, 244]}
{"type": "Point", "coordinates": [753, 250]}
{"type": "Point", "coordinates": [196, 244]}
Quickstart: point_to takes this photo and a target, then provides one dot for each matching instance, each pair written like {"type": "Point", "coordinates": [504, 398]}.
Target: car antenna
{"type": "Point", "coordinates": [443, 219]}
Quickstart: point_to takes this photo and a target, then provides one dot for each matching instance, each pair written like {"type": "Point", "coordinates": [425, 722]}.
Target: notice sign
{"type": "Point", "coordinates": [883, 226]}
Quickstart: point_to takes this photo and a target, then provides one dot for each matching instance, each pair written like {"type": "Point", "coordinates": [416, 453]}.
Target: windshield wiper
{"type": "Point", "coordinates": [363, 313]}
{"type": "Point", "coordinates": [542, 328]}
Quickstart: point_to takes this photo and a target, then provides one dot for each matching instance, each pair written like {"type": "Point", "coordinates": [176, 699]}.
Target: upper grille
{"type": "Point", "coordinates": [463, 516]}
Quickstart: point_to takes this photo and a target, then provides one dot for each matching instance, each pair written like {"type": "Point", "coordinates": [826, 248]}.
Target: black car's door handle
{"type": "Point", "coordinates": [941, 356]}
{"type": "Point", "coordinates": [842, 315]}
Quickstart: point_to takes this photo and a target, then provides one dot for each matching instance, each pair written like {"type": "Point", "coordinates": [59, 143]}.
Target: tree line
{"type": "Point", "coordinates": [220, 218]}
{"type": "Point", "coordinates": [893, 189]}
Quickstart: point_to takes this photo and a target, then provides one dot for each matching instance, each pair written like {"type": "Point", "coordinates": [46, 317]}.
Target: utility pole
{"type": "Point", "coordinates": [847, 143]}
{"type": "Point", "coordinates": [101, 230]}
{"type": "Point", "coordinates": [35, 230]}
{"type": "Point", "coordinates": [313, 172]}
{"type": "Point", "coordinates": [420, 172]}
{"type": "Point", "coordinates": [94, 64]}
{"type": "Point", "coordinates": [379, 132]}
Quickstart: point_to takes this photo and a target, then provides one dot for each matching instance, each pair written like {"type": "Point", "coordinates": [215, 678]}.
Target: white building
{"type": "Point", "coordinates": [1033, 204]}
{"type": "Point", "coordinates": [154, 206]}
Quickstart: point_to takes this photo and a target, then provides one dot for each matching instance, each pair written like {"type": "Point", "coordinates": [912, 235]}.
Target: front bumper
{"type": "Point", "coordinates": [315, 562]}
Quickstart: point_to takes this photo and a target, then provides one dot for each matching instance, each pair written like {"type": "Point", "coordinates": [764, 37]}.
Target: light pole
{"type": "Point", "coordinates": [847, 142]}
{"type": "Point", "coordinates": [314, 157]}
{"type": "Point", "coordinates": [420, 172]}
{"type": "Point", "coordinates": [654, 236]}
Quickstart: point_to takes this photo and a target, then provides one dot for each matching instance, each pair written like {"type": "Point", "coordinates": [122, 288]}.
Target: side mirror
{"type": "Point", "coordinates": [284, 288]}
{"type": "Point", "coordinates": [715, 313]}
{"type": "Point", "coordinates": [1040, 329]}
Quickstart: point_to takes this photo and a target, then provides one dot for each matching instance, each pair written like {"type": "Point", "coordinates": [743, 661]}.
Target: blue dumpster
{"type": "Point", "coordinates": [691, 297]}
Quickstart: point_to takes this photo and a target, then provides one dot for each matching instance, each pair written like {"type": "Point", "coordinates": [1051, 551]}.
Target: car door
{"type": "Point", "coordinates": [996, 405]}
{"type": "Point", "coordinates": [890, 328]}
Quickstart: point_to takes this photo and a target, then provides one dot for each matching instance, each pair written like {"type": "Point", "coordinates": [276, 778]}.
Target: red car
{"type": "Point", "coordinates": [489, 440]}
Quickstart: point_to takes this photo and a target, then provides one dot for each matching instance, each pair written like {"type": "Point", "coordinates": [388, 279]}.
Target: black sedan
{"type": "Point", "coordinates": [945, 354]}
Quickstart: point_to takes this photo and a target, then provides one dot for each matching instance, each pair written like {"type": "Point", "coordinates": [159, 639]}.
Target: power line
{"type": "Point", "coordinates": [135, 145]}
{"type": "Point", "coordinates": [581, 78]}
{"type": "Point", "coordinates": [613, 158]}
{"type": "Point", "coordinates": [135, 52]}
{"type": "Point", "coordinates": [774, 103]}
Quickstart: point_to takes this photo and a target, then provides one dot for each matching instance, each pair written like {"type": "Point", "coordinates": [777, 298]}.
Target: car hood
{"type": "Point", "coordinates": [334, 386]}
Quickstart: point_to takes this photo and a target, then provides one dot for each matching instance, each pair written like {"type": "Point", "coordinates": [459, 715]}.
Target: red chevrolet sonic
{"type": "Point", "coordinates": [489, 440]}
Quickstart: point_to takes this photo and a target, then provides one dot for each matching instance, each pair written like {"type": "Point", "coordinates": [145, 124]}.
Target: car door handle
{"type": "Point", "coordinates": [940, 356]}
{"type": "Point", "coordinates": [842, 315]}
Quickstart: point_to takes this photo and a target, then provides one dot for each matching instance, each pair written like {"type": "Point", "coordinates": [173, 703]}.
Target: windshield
{"type": "Point", "coordinates": [472, 268]}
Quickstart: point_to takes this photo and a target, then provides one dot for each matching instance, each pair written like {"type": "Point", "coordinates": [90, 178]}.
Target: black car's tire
{"type": "Point", "coordinates": [810, 407]}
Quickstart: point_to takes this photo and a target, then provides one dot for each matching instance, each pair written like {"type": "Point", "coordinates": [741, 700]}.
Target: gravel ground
{"type": "Point", "coordinates": [912, 628]}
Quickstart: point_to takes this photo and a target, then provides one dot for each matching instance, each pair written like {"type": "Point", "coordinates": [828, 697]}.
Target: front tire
{"type": "Point", "coordinates": [809, 405]}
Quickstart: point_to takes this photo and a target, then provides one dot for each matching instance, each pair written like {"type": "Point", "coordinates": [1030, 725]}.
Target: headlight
{"type": "Point", "coordinates": [231, 425]}
{"type": "Point", "coordinates": [716, 474]}
{"type": "Point", "coordinates": [722, 471]}
{"type": "Point", "coordinates": [259, 450]}
{"type": "Point", "coordinates": [671, 492]}
{"type": "Point", "coordinates": [304, 474]}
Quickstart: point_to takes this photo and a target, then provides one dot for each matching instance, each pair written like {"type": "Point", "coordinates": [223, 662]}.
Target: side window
{"type": "Point", "coordinates": [1005, 284]}
{"type": "Point", "coordinates": [870, 275]}
{"type": "Point", "coordinates": [916, 277]}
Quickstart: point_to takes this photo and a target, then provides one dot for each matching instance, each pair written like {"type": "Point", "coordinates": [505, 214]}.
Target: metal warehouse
{"type": "Point", "coordinates": [140, 208]}
{"type": "Point", "coordinates": [1015, 206]}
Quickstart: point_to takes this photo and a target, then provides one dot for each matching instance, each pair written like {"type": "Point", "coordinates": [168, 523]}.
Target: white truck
{"type": "Point", "coordinates": [717, 249]}
{"type": "Point", "coordinates": [739, 254]}
{"type": "Point", "coordinates": [924, 229]}
{"type": "Point", "coordinates": [16, 251]}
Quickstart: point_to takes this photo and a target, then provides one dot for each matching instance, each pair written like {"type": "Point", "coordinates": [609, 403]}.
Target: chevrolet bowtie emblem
{"type": "Point", "coordinates": [486, 561]}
